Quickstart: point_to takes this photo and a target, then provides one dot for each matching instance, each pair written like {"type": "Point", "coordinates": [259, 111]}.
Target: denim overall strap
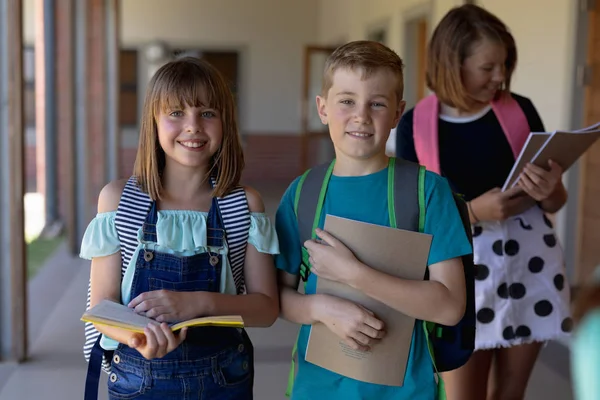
{"type": "Point", "coordinates": [149, 227]}
{"type": "Point", "coordinates": [215, 234]}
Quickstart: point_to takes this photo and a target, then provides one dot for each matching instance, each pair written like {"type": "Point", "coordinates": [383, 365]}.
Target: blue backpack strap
{"type": "Point", "coordinates": [131, 214]}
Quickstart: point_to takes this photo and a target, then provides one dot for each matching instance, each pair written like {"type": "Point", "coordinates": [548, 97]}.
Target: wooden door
{"type": "Point", "coordinates": [315, 146]}
{"type": "Point", "coordinates": [588, 254]}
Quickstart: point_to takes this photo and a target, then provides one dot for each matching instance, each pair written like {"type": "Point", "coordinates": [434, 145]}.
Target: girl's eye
{"type": "Point", "coordinates": [208, 114]}
{"type": "Point", "coordinates": [176, 114]}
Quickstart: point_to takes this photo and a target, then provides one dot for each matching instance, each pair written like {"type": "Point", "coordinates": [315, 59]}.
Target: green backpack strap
{"type": "Point", "coordinates": [308, 203]}
{"type": "Point", "coordinates": [410, 214]}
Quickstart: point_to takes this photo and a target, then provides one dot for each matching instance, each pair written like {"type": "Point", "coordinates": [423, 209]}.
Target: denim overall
{"type": "Point", "coordinates": [213, 362]}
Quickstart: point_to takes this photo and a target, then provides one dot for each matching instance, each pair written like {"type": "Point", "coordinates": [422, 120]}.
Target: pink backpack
{"type": "Point", "coordinates": [425, 128]}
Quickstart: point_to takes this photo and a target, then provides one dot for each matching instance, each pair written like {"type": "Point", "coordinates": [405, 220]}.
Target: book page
{"type": "Point", "coordinates": [232, 321]}
{"type": "Point", "coordinates": [395, 252]}
{"type": "Point", "coordinates": [565, 148]}
{"type": "Point", "coordinates": [534, 143]}
{"type": "Point", "coordinates": [118, 315]}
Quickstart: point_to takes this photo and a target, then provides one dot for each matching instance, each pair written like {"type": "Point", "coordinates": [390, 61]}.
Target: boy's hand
{"type": "Point", "coordinates": [354, 324]}
{"type": "Point", "coordinates": [539, 183]}
{"type": "Point", "coordinates": [167, 305]}
{"type": "Point", "coordinates": [157, 341]}
{"type": "Point", "coordinates": [331, 259]}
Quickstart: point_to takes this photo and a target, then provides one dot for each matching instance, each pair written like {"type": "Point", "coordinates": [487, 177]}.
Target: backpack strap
{"type": "Point", "coordinates": [425, 132]}
{"type": "Point", "coordinates": [407, 184]}
{"type": "Point", "coordinates": [511, 117]}
{"type": "Point", "coordinates": [513, 121]}
{"type": "Point", "coordinates": [235, 215]}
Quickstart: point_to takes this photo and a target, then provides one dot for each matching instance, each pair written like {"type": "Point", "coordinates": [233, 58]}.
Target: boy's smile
{"type": "Point", "coordinates": [360, 112]}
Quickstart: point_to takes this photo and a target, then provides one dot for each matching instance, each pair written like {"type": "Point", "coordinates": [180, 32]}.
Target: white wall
{"type": "Point", "coordinates": [546, 50]}
{"type": "Point", "coordinates": [270, 34]}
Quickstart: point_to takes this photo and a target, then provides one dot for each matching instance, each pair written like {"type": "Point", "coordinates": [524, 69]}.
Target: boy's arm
{"type": "Point", "coordinates": [356, 325]}
{"type": "Point", "coordinates": [440, 299]}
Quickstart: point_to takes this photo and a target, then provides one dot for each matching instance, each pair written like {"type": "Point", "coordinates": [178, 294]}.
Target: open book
{"type": "Point", "coordinates": [562, 147]}
{"type": "Point", "coordinates": [395, 252]}
{"type": "Point", "coordinates": [120, 316]}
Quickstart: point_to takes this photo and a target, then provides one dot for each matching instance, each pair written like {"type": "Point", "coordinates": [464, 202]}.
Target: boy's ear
{"type": "Point", "coordinates": [399, 112]}
{"type": "Point", "coordinates": [322, 109]}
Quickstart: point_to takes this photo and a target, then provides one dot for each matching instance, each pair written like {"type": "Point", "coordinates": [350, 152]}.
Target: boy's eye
{"type": "Point", "coordinates": [347, 102]}
{"type": "Point", "coordinates": [378, 104]}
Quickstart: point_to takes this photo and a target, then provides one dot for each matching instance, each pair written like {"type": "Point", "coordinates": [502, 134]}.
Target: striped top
{"type": "Point", "coordinates": [130, 216]}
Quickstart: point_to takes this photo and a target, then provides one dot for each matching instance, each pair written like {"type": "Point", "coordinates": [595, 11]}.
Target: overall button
{"type": "Point", "coordinates": [241, 348]}
{"type": "Point", "coordinates": [245, 365]}
{"type": "Point", "coordinates": [116, 359]}
{"type": "Point", "coordinates": [148, 255]}
{"type": "Point", "coordinates": [113, 377]}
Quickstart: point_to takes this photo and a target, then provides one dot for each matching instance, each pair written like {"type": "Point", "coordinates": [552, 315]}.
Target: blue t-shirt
{"type": "Point", "coordinates": [364, 198]}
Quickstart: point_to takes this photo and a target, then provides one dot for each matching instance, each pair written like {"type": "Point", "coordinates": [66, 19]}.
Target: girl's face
{"type": "Point", "coordinates": [190, 136]}
{"type": "Point", "coordinates": [483, 70]}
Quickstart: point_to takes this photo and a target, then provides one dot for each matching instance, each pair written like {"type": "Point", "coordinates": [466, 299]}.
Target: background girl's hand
{"type": "Point", "coordinates": [157, 341]}
{"type": "Point", "coordinates": [538, 182]}
{"type": "Point", "coordinates": [496, 205]}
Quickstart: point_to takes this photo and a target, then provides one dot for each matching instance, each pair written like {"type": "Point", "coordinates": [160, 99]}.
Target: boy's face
{"type": "Point", "coordinates": [360, 112]}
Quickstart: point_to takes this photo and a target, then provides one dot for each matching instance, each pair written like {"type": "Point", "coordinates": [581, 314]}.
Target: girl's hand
{"type": "Point", "coordinates": [169, 306]}
{"type": "Point", "coordinates": [157, 341]}
{"type": "Point", "coordinates": [496, 205]}
{"type": "Point", "coordinates": [539, 183]}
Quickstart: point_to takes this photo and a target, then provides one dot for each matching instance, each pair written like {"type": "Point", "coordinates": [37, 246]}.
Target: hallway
{"type": "Point", "coordinates": [57, 367]}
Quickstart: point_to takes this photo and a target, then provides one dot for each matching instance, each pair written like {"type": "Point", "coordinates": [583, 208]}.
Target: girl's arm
{"type": "Point", "coordinates": [105, 275]}
{"type": "Point", "coordinates": [260, 306]}
{"type": "Point", "coordinates": [106, 271]}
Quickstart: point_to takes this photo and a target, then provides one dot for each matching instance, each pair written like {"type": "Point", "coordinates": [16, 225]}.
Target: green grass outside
{"type": "Point", "coordinates": [38, 251]}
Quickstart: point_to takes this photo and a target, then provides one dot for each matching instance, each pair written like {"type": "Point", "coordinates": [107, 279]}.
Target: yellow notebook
{"type": "Point", "coordinates": [120, 316]}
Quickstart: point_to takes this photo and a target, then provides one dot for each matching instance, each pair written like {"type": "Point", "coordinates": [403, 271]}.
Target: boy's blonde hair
{"type": "Point", "coordinates": [176, 85]}
{"type": "Point", "coordinates": [366, 56]}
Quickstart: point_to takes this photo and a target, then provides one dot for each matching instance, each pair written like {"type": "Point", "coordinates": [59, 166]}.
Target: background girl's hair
{"type": "Point", "coordinates": [177, 84]}
{"type": "Point", "coordinates": [451, 43]}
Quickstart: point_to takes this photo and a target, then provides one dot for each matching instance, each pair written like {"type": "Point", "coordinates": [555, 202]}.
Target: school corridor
{"type": "Point", "coordinates": [73, 75]}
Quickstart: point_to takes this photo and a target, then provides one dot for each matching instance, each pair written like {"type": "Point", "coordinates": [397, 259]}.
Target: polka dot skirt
{"type": "Point", "coordinates": [521, 293]}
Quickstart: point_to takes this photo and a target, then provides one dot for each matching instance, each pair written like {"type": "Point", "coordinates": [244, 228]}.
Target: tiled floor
{"type": "Point", "coordinates": [57, 368]}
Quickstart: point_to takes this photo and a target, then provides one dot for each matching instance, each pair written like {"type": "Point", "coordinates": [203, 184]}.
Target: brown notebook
{"type": "Point", "coordinates": [396, 252]}
{"type": "Point", "coordinates": [562, 147]}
